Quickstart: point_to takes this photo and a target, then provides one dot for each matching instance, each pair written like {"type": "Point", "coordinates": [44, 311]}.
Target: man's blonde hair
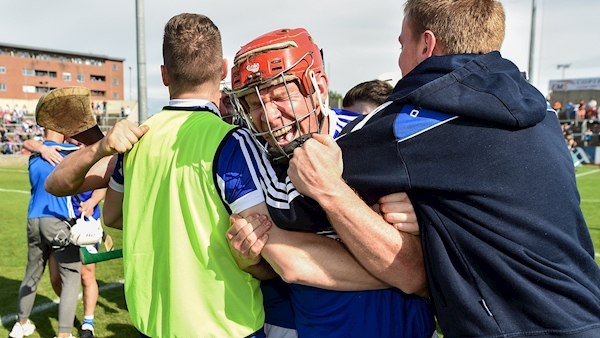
{"type": "Point", "coordinates": [460, 26]}
{"type": "Point", "coordinates": [192, 52]}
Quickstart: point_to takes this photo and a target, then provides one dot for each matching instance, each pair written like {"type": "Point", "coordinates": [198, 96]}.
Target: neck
{"type": "Point", "coordinates": [208, 93]}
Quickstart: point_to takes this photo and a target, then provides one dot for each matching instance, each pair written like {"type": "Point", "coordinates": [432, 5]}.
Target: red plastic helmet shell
{"type": "Point", "coordinates": [266, 57]}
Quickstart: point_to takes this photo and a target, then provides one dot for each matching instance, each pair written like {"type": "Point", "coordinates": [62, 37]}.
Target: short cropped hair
{"type": "Point", "coordinates": [372, 93]}
{"type": "Point", "coordinates": [192, 52]}
{"type": "Point", "coordinates": [460, 26]}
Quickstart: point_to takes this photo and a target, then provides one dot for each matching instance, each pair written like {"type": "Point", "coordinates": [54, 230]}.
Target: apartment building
{"type": "Point", "coordinates": [26, 73]}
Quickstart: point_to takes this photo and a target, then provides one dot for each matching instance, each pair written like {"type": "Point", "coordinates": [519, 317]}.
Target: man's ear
{"type": "Point", "coordinates": [431, 46]}
{"type": "Point", "coordinates": [165, 75]}
{"type": "Point", "coordinates": [225, 70]}
{"type": "Point", "coordinates": [323, 84]}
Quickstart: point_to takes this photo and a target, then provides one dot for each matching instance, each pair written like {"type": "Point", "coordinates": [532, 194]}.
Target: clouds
{"type": "Point", "coordinates": [359, 37]}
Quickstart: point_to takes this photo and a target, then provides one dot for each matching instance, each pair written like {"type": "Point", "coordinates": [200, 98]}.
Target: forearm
{"type": "Point", "coordinates": [84, 170]}
{"type": "Point", "coordinates": [33, 146]}
{"type": "Point", "coordinates": [261, 271]}
{"type": "Point", "coordinates": [97, 196]}
{"type": "Point", "coordinates": [314, 260]}
{"type": "Point", "coordinates": [391, 255]}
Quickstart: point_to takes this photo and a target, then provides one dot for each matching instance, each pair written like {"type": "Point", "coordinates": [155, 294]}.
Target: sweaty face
{"type": "Point", "coordinates": [409, 47]}
{"type": "Point", "coordinates": [282, 113]}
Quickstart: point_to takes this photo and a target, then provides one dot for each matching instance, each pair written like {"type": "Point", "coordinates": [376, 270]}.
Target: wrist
{"type": "Point", "coordinates": [330, 194]}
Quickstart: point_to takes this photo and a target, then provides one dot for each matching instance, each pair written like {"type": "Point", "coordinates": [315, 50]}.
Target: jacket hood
{"type": "Point", "coordinates": [479, 86]}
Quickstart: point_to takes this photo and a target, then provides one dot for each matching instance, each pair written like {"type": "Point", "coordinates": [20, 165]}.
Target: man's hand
{"type": "Point", "coordinates": [121, 137]}
{"type": "Point", "coordinates": [316, 168]}
{"type": "Point", "coordinates": [397, 210]}
{"type": "Point", "coordinates": [246, 238]}
{"type": "Point", "coordinates": [51, 154]}
{"type": "Point", "coordinates": [86, 208]}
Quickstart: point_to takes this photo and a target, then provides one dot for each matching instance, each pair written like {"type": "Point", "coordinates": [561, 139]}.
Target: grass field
{"type": "Point", "coordinates": [112, 319]}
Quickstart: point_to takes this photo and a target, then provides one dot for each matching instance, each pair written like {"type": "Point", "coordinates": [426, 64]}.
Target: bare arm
{"type": "Point", "coordinates": [314, 260]}
{"type": "Point", "coordinates": [87, 207]}
{"type": "Point", "coordinates": [91, 167]}
{"type": "Point", "coordinates": [393, 256]}
{"type": "Point", "coordinates": [50, 154]}
{"type": "Point", "coordinates": [113, 209]}
{"type": "Point", "coordinates": [247, 237]}
{"type": "Point", "coordinates": [79, 172]}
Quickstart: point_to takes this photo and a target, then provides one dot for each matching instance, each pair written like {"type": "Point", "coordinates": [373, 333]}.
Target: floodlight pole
{"type": "Point", "coordinates": [141, 63]}
{"type": "Point", "coordinates": [531, 42]}
{"type": "Point", "coordinates": [563, 66]}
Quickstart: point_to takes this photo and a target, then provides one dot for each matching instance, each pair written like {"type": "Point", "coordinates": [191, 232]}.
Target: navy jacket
{"type": "Point", "coordinates": [485, 164]}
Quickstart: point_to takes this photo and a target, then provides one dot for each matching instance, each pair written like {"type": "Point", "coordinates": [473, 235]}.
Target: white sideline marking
{"type": "Point", "coordinates": [17, 191]}
{"type": "Point", "coordinates": [42, 307]}
{"type": "Point", "coordinates": [587, 173]}
{"type": "Point", "coordinates": [14, 170]}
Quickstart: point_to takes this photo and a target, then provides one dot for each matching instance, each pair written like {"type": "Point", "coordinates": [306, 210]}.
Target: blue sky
{"type": "Point", "coordinates": [359, 37]}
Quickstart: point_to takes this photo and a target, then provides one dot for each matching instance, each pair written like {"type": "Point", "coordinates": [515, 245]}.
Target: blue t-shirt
{"type": "Point", "coordinates": [43, 204]}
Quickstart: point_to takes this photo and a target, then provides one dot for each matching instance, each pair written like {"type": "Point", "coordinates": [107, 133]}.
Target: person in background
{"type": "Point", "coordinates": [366, 96]}
{"type": "Point", "coordinates": [48, 224]}
{"type": "Point", "coordinates": [88, 204]}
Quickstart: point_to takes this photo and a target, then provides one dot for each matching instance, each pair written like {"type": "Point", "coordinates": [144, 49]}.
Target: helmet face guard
{"type": "Point", "coordinates": [280, 57]}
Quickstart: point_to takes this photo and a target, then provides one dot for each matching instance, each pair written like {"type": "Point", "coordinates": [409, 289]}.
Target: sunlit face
{"type": "Point", "coordinates": [409, 47]}
{"type": "Point", "coordinates": [280, 109]}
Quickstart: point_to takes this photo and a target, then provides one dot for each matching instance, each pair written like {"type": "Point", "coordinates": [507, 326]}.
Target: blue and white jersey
{"type": "Point", "coordinates": [117, 180]}
{"type": "Point", "coordinates": [43, 204]}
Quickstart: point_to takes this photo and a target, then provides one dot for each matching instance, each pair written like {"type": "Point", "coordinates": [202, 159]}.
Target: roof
{"type": "Point", "coordinates": [58, 51]}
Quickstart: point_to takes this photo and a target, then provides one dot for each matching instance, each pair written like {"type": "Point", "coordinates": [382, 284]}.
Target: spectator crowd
{"type": "Point", "coordinates": [16, 126]}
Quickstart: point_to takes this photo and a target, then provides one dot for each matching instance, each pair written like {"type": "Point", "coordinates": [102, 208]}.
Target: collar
{"type": "Point", "coordinates": [195, 103]}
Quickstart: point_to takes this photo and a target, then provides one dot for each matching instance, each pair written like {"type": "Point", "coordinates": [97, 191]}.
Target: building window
{"type": "Point", "coordinates": [28, 72]}
{"type": "Point", "coordinates": [98, 93]}
{"type": "Point", "coordinates": [115, 82]}
{"type": "Point", "coordinates": [97, 78]}
{"type": "Point", "coordinates": [28, 89]}
{"type": "Point", "coordinates": [115, 96]}
{"type": "Point", "coordinates": [67, 77]}
{"type": "Point", "coordinates": [2, 87]}
{"type": "Point", "coordinates": [115, 66]}
{"type": "Point", "coordinates": [80, 77]}
{"type": "Point", "coordinates": [2, 70]}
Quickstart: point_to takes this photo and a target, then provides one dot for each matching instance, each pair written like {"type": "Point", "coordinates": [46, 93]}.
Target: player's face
{"type": "Point", "coordinates": [409, 45]}
{"type": "Point", "coordinates": [287, 112]}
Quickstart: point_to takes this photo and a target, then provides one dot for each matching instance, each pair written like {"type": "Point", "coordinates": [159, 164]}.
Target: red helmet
{"type": "Point", "coordinates": [279, 57]}
{"type": "Point", "coordinates": [284, 52]}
